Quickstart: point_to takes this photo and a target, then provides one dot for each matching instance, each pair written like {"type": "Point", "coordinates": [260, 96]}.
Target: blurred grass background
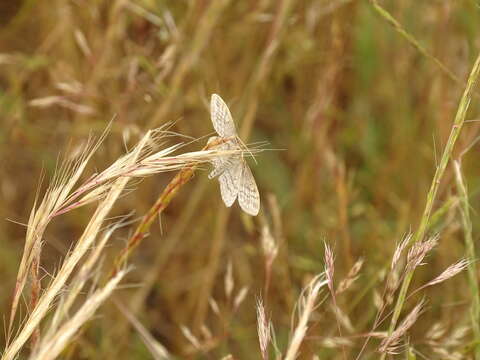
{"type": "Point", "coordinates": [361, 114]}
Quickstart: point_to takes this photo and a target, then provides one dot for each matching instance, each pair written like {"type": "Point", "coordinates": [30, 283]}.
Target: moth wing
{"type": "Point", "coordinates": [221, 117]}
{"type": "Point", "coordinates": [229, 181]}
{"type": "Point", "coordinates": [221, 163]}
{"type": "Point", "coordinates": [248, 196]}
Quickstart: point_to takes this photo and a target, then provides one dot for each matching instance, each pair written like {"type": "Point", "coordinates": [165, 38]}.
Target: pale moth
{"type": "Point", "coordinates": [234, 175]}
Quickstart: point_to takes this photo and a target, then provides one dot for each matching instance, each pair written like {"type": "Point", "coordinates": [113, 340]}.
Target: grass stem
{"type": "Point", "coordinates": [412, 41]}
{"type": "Point", "coordinates": [447, 153]}
{"type": "Point", "coordinates": [470, 250]}
{"type": "Point", "coordinates": [157, 208]}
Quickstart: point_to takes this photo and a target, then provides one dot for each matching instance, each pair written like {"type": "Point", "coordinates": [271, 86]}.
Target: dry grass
{"type": "Point", "coordinates": [369, 211]}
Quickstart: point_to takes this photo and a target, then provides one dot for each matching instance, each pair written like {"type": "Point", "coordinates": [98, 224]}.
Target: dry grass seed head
{"type": "Point", "coordinates": [399, 250]}
{"type": "Point", "coordinates": [57, 194]}
{"type": "Point", "coordinates": [190, 337]}
{"type": "Point", "coordinates": [229, 282]}
{"type": "Point", "coordinates": [444, 344]}
{"type": "Point", "coordinates": [455, 339]}
{"type": "Point", "coordinates": [377, 300]}
{"type": "Point", "coordinates": [342, 318]}
{"type": "Point", "coordinates": [214, 306]}
{"type": "Point", "coordinates": [436, 332]}
{"type": "Point", "coordinates": [74, 257]}
{"type": "Point", "coordinates": [53, 347]}
{"type": "Point", "coordinates": [329, 267]}
{"type": "Point", "coordinates": [239, 298]}
{"type": "Point", "coordinates": [418, 251]}
{"type": "Point", "coordinates": [263, 329]}
{"type": "Point", "coordinates": [445, 354]}
{"type": "Point", "coordinates": [306, 304]}
{"type": "Point", "coordinates": [393, 281]}
{"type": "Point", "coordinates": [207, 334]}
{"type": "Point", "coordinates": [391, 344]}
{"type": "Point", "coordinates": [269, 245]}
{"type": "Point", "coordinates": [78, 282]}
{"type": "Point", "coordinates": [449, 272]}
{"type": "Point", "coordinates": [336, 342]}
{"type": "Point", "coordinates": [351, 277]}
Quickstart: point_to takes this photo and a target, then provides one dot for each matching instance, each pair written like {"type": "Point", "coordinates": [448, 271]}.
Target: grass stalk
{"type": "Point", "coordinates": [412, 41]}
{"type": "Point", "coordinates": [53, 348]}
{"type": "Point", "coordinates": [161, 204]}
{"type": "Point", "coordinates": [447, 153]}
{"type": "Point", "coordinates": [70, 263]}
{"type": "Point", "coordinates": [470, 250]}
{"type": "Point", "coordinates": [306, 306]}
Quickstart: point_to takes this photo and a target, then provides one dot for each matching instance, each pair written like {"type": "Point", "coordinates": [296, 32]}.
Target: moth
{"type": "Point", "coordinates": [233, 173]}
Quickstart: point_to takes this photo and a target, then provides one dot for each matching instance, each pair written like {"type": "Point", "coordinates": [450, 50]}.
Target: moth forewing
{"type": "Point", "coordinates": [222, 119]}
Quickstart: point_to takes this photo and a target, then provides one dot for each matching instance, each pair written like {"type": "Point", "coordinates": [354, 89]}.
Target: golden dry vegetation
{"type": "Point", "coordinates": [369, 181]}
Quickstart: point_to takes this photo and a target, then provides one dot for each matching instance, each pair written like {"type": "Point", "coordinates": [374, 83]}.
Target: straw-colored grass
{"type": "Point", "coordinates": [122, 248]}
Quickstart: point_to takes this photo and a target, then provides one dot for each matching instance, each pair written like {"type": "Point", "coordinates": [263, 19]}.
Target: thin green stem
{"type": "Point", "coordinates": [470, 250]}
{"type": "Point", "coordinates": [447, 153]}
{"type": "Point", "coordinates": [412, 41]}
